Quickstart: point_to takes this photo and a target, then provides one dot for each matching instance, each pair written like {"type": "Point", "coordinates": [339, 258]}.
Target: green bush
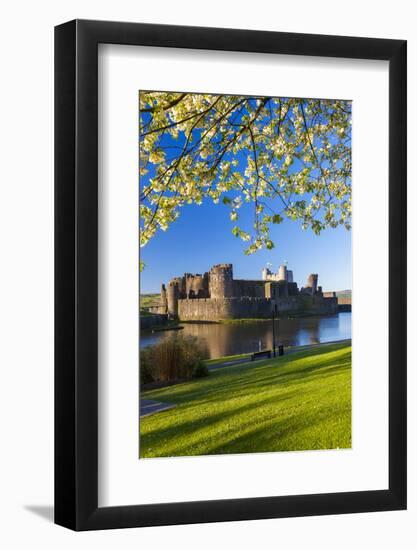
{"type": "Point", "coordinates": [175, 357]}
{"type": "Point", "coordinates": [145, 369]}
{"type": "Point", "coordinates": [200, 370]}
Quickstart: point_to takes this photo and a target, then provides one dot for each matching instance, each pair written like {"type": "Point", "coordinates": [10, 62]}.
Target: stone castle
{"type": "Point", "coordinates": [216, 295]}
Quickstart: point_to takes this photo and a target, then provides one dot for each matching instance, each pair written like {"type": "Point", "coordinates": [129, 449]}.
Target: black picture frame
{"type": "Point", "coordinates": [76, 272]}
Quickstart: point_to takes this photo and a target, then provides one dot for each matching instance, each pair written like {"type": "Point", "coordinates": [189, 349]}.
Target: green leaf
{"type": "Point", "coordinates": [276, 218]}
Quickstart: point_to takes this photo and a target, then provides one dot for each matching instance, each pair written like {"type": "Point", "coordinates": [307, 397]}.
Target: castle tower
{"type": "Point", "coordinates": [221, 281]}
{"type": "Point", "coordinates": [182, 285]}
{"type": "Point", "coordinates": [189, 292]}
{"type": "Point", "coordinates": [163, 299]}
{"type": "Point", "coordinates": [266, 273]}
{"type": "Point", "coordinates": [172, 298]}
{"type": "Point", "coordinates": [199, 285]}
{"type": "Point", "coordinates": [290, 277]}
{"type": "Point", "coordinates": [282, 273]}
{"type": "Point", "coordinates": [312, 280]}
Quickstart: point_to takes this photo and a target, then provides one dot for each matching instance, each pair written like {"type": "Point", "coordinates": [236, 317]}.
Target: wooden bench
{"type": "Point", "coordinates": [264, 353]}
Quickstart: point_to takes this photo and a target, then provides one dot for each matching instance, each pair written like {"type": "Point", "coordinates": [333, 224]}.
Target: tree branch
{"type": "Point", "coordinates": [165, 108]}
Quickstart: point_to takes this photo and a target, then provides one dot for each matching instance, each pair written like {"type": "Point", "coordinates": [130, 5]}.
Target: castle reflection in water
{"type": "Point", "coordinates": [221, 339]}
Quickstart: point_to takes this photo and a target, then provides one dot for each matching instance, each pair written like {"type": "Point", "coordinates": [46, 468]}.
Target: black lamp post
{"type": "Point", "coordinates": [274, 313]}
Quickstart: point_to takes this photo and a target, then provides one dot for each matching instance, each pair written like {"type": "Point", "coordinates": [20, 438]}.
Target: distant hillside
{"type": "Point", "coordinates": [148, 300]}
{"type": "Point", "coordinates": [344, 293]}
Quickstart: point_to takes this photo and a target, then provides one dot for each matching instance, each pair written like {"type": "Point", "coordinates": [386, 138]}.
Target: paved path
{"type": "Point", "coordinates": [287, 351]}
{"type": "Point", "coordinates": [150, 406]}
{"type": "Point", "coordinates": [229, 363]}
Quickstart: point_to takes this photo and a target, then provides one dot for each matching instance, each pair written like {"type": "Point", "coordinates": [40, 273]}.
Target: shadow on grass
{"type": "Point", "coordinates": [190, 428]}
{"type": "Point", "coordinates": [238, 380]}
{"type": "Point", "coordinates": [285, 434]}
{"type": "Point", "coordinates": [256, 408]}
{"type": "Point", "coordinates": [266, 434]}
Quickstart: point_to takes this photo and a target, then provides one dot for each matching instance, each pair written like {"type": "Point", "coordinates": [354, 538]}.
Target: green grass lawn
{"type": "Point", "coordinates": [297, 402]}
{"type": "Point", "coordinates": [227, 358]}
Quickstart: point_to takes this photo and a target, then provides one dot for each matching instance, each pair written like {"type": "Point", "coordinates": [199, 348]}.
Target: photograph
{"type": "Point", "coordinates": [245, 274]}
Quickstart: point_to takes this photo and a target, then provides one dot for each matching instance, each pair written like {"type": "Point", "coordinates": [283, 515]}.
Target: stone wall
{"type": "Point", "coordinates": [345, 303]}
{"type": "Point", "coordinates": [160, 310]}
{"type": "Point", "coordinates": [243, 288]}
{"type": "Point", "coordinates": [248, 289]}
{"type": "Point", "coordinates": [252, 308]}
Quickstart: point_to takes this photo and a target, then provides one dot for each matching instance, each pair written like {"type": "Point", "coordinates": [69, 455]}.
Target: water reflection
{"type": "Point", "coordinates": [223, 339]}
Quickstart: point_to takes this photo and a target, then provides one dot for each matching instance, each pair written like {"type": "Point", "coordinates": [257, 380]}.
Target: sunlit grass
{"type": "Point", "coordinates": [226, 358]}
{"type": "Point", "coordinates": [297, 402]}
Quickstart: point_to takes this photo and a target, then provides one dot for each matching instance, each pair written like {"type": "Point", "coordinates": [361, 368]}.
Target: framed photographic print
{"type": "Point", "coordinates": [230, 275]}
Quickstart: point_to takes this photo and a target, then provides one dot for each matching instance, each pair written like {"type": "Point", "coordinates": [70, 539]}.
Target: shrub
{"type": "Point", "coordinates": [145, 369]}
{"type": "Point", "coordinates": [174, 357]}
{"type": "Point", "coordinates": [200, 370]}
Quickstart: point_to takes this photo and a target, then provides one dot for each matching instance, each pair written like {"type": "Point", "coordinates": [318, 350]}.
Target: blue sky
{"type": "Point", "coordinates": [201, 237]}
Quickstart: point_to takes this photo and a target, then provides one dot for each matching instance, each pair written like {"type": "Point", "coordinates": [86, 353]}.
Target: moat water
{"type": "Point", "coordinates": [219, 340]}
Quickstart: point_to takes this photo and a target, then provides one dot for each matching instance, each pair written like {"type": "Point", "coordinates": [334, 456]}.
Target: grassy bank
{"type": "Point", "coordinates": [226, 358]}
{"type": "Point", "coordinates": [282, 316]}
{"type": "Point", "coordinates": [245, 320]}
{"type": "Point", "coordinates": [297, 402]}
{"type": "Point", "coordinates": [148, 300]}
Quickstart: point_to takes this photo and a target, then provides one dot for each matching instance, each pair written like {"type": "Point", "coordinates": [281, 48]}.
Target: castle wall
{"type": "Point", "coordinates": [263, 289]}
{"type": "Point", "coordinates": [344, 303]}
{"type": "Point", "coordinates": [293, 289]}
{"type": "Point", "coordinates": [249, 289]}
{"type": "Point", "coordinates": [160, 310]}
{"type": "Point", "coordinates": [151, 321]}
{"type": "Point", "coordinates": [252, 308]}
{"type": "Point", "coordinates": [271, 290]}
